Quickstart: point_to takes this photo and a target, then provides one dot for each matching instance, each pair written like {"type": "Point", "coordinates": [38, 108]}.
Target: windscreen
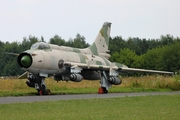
{"type": "Point", "coordinates": [40, 46]}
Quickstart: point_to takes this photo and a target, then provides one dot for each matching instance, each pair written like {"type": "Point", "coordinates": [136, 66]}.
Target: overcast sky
{"type": "Point", "coordinates": [66, 18]}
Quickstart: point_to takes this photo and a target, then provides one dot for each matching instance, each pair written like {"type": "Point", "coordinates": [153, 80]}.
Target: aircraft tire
{"type": "Point", "coordinates": [44, 92]}
{"type": "Point", "coordinates": [105, 91]}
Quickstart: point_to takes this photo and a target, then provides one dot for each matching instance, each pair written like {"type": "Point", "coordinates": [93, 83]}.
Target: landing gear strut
{"type": "Point", "coordinates": [37, 82]}
{"type": "Point", "coordinates": [104, 84]}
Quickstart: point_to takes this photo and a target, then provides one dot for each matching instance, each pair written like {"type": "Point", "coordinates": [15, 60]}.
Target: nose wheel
{"type": "Point", "coordinates": [37, 82]}
{"type": "Point", "coordinates": [44, 91]}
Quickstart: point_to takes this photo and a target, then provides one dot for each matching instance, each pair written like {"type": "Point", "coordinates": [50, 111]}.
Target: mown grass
{"type": "Point", "coordinates": [16, 87]}
{"type": "Point", "coordinates": [128, 108]}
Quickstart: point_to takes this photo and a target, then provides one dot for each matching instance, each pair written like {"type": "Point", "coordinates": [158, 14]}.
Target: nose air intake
{"type": "Point", "coordinates": [24, 60]}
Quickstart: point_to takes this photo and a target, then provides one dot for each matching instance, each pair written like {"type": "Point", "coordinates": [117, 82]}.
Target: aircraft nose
{"type": "Point", "coordinates": [26, 60]}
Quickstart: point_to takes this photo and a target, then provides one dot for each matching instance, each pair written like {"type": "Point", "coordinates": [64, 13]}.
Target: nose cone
{"type": "Point", "coordinates": [26, 61]}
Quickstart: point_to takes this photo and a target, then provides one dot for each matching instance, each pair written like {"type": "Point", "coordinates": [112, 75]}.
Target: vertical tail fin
{"type": "Point", "coordinates": [101, 43]}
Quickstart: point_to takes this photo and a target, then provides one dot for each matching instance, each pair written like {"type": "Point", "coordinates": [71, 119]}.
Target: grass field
{"type": "Point", "coordinates": [128, 108]}
{"type": "Point", "coordinates": [137, 108]}
{"type": "Point", "coordinates": [15, 87]}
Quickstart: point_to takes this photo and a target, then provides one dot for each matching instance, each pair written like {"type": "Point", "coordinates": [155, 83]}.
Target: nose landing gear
{"type": "Point", "coordinates": [37, 82]}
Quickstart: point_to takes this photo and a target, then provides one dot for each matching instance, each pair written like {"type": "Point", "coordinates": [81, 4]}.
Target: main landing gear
{"type": "Point", "coordinates": [102, 90]}
{"type": "Point", "coordinates": [104, 83]}
{"type": "Point", "coordinates": [37, 82]}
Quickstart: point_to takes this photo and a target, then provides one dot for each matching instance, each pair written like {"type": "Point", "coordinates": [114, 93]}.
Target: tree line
{"type": "Point", "coordinates": [159, 54]}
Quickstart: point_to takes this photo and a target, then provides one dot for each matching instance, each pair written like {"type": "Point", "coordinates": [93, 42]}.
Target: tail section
{"type": "Point", "coordinates": [101, 43]}
{"type": "Point", "coordinates": [99, 46]}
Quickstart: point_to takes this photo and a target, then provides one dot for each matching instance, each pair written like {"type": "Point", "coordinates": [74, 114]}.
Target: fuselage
{"type": "Point", "coordinates": [48, 61]}
{"type": "Point", "coordinates": [67, 63]}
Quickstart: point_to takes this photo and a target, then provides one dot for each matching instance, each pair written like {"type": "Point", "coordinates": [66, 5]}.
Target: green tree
{"type": "Point", "coordinates": [27, 42]}
{"type": "Point", "coordinates": [57, 40]}
{"type": "Point", "coordinates": [149, 60]}
{"type": "Point", "coordinates": [116, 43]}
{"type": "Point", "coordinates": [166, 40]}
{"type": "Point", "coordinates": [170, 59]}
{"type": "Point", "coordinates": [8, 62]}
{"type": "Point", "coordinates": [126, 56]}
{"type": "Point", "coordinates": [79, 42]}
{"type": "Point", "coordinates": [162, 58]}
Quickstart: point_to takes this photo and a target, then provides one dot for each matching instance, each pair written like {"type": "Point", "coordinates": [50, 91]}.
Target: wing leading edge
{"type": "Point", "coordinates": [122, 69]}
{"type": "Point", "coordinates": [144, 70]}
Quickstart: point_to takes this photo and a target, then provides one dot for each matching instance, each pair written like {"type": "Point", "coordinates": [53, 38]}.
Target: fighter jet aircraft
{"type": "Point", "coordinates": [66, 63]}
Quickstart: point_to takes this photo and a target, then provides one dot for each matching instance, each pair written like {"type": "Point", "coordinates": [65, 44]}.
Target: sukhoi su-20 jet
{"type": "Point", "coordinates": [66, 63]}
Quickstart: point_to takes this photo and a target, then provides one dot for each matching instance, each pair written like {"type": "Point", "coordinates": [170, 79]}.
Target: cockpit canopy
{"type": "Point", "coordinates": [40, 46]}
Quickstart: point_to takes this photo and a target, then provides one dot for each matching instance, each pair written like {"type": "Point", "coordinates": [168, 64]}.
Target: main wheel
{"type": "Point", "coordinates": [44, 92]}
{"type": "Point", "coordinates": [105, 90]}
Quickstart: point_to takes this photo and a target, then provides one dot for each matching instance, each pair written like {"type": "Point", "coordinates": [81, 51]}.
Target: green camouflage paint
{"type": "Point", "coordinates": [98, 63]}
{"type": "Point", "coordinates": [76, 50]}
